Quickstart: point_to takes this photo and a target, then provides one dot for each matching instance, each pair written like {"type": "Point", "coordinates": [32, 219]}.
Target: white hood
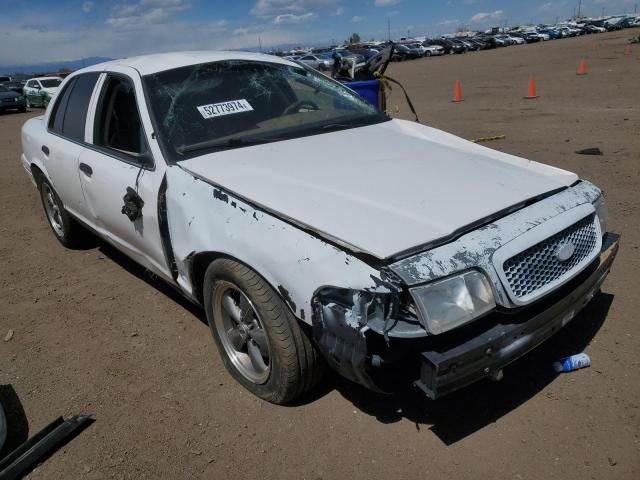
{"type": "Point", "coordinates": [382, 189]}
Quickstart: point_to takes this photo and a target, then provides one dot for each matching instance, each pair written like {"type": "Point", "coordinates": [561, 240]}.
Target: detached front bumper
{"type": "Point", "coordinates": [444, 370]}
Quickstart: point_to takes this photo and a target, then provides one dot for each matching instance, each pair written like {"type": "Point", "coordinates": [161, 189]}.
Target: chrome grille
{"type": "Point", "coordinates": [537, 266]}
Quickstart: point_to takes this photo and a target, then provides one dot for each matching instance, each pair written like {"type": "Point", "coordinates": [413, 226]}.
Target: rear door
{"type": "Point", "coordinates": [65, 139]}
{"type": "Point", "coordinates": [118, 162]}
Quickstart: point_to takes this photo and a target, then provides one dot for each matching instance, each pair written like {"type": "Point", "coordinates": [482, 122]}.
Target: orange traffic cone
{"type": "Point", "coordinates": [457, 92]}
{"type": "Point", "coordinates": [582, 69]}
{"type": "Point", "coordinates": [531, 94]}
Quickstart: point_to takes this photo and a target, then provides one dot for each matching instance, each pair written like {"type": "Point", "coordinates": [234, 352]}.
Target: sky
{"type": "Point", "coordinates": [34, 31]}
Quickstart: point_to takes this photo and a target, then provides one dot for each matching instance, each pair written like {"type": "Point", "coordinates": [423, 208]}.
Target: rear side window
{"type": "Point", "coordinates": [75, 117]}
{"type": "Point", "coordinates": [57, 114]}
{"type": "Point", "coordinates": [70, 112]}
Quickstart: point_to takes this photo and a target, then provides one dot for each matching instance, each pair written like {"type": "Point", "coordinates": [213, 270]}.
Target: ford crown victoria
{"type": "Point", "coordinates": [313, 229]}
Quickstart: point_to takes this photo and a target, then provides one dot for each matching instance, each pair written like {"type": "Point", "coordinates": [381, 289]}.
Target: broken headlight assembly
{"type": "Point", "coordinates": [449, 303]}
{"type": "Point", "coordinates": [602, 212]}
{"type": "Point", "coordinates": [388, 314]}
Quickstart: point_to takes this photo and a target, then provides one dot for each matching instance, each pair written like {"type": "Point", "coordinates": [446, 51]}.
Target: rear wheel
{"type": "Point", "coordinates": [260, 341]}
{"type": "Point", "coordinates": [68, 232]}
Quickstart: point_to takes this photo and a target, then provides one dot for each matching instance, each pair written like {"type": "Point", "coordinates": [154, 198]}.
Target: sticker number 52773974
{"type": "Point", "coordinates": [225, 108]}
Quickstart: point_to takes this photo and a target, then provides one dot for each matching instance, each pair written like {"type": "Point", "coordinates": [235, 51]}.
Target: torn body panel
{"type": "Point", "coordinates": [478, 248]}
{"type": "Point", "coordinates": [205, 218]}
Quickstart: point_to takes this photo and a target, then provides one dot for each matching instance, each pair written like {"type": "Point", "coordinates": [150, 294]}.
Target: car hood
{"type": "Point", "coordinates": [10, 94]}
{"type": "Point", "coordinates": [379, 189]}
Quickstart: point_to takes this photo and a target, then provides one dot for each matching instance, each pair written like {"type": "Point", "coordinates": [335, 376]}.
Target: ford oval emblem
{"type": "Point", "coordinates": [565, 251]}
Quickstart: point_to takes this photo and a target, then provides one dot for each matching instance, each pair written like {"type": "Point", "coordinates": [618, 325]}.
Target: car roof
{"type": "Point", "coordinates": [45, 78]}
{"type": "Point", "coordinates": [159, 62]}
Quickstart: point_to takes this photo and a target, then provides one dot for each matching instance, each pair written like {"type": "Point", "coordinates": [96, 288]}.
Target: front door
{"type": "Point", "coordinates": [117, 163]}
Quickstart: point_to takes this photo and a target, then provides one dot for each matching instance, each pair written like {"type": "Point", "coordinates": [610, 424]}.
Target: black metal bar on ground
{"type": "Point", "coordinates": [45, 442]}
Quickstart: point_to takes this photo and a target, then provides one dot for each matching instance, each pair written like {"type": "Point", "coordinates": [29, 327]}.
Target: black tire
{"type": "Point", "coordinates": [27, 103]}
{"type": "Point", "coordinates": [22, 109]}
{"type": "Point", "coordinates": [68, 232]}
{"type": "Point", "coordinates": [295, 366]}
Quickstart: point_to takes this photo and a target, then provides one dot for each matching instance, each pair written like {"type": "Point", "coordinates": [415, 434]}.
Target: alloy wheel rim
{"type": "Point", "coordinates": [241, 332]}
{"type": "Point", "coordinates": [53, 211]}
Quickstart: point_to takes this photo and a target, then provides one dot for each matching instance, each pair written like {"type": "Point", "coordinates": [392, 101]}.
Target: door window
{"type": "Point", "coordinates": [118, 126]}
{"type": "Point", "coordinates": [69, 115]}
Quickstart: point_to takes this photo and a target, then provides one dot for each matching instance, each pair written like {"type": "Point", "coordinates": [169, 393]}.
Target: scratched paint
{"type": "Point", "coordinates": [476, 249]}
{"type": "Point", "coordinates": [204, 218]}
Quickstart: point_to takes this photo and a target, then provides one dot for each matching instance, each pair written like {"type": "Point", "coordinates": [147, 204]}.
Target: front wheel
{"type": "Point", "coordinates": [27, 103]}
{"type": "Point", "coordinates": [260, 341]}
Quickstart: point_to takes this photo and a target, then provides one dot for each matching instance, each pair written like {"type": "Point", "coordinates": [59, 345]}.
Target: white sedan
{"type": "Point", "coordinates": [313, 229]}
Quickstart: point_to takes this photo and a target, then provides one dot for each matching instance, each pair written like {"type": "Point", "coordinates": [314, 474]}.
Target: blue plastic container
{"type": "Point", "coordinates": [367, 89]}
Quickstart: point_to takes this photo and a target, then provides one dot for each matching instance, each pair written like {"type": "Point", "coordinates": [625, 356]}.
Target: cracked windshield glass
{"type": "Point", "coordinates": [232, 104]}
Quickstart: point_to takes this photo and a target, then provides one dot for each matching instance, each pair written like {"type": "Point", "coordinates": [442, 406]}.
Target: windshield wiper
{"type": "Point", "coordinates": [233, 142]}
{"type": "Point", "coordinates": [343, 126]}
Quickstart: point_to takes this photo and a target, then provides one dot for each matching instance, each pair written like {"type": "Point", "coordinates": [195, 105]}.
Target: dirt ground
{"type": "Point", "coordinates": [93, 334]}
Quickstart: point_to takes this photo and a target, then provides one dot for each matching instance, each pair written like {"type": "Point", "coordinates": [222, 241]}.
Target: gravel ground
{"type": "Point", "coordinates": [93, 334]}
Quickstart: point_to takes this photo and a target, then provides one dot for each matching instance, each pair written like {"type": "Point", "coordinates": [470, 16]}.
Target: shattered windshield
{"type": "Point", "coordinates": [232, 104]}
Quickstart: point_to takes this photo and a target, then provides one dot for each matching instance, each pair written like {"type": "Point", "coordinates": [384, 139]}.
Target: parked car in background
{"type": "Point", "coordinates": [470, 46]}
{"type": "Point", "coordinates": [39, 91]}
{"type": "Point", "coordinates": [449, 46]}
{"type": "Point", "coordinates": [432, 50]}
{"type": "Point", "coordinates": [403, 52]}
{"type": "Point", "coordinates": [367, 53]}
{"type": "Point", "coordinates": [354, 55]}
{"type": "Point", "coordinates": [211, 170]}
{"type": "Point", "coordinates": [481, 43]}
{"type": "Point", "coordinates": [527, 37]}
{"type": "Point", "coordinates": [10, 100]}
{"type": "Point", "coordinates": [15, 85]}
{"type": "Point", "coordinates": [4, 78]}
{"type": "Point", "coordinates": [321, 62]}
{"type": "Point", "coordinates": [504, 40]}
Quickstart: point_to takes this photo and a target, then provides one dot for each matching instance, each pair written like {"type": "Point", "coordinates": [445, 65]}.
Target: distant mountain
{"type": "Point", "coordinates": [51, 66]}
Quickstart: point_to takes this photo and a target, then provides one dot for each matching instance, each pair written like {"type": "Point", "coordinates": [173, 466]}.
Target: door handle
{"type": "Point", "coordinates": [86, 169]}
{"type": "Point", "coordinates": [45, 150]}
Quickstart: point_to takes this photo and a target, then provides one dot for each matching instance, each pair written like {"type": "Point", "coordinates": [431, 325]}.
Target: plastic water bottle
{"type": "Point", "coordinates": [574, 362]}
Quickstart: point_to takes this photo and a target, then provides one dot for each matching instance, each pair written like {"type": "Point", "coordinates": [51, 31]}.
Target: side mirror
{"type": "Point", "coordinates": [145, 158]}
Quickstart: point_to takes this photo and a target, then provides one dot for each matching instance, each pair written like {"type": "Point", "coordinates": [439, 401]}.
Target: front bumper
{"type": "Point", "coordinates": [446, 369]}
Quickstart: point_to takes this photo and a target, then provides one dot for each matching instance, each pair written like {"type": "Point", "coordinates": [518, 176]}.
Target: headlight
{"type": "Point", "coordinates": [602, 212]}
{"type": "Point", "coordinates": [454, 301]}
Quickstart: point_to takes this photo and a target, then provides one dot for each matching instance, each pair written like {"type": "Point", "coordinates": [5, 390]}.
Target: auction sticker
{"type": "Point", "coordinates": [225, 108]}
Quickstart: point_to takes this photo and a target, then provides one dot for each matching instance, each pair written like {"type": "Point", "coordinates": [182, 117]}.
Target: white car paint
{"type": "Point", "coordinates": [301, 217]}
{"type": "Point", "coordinates": [329, 194]}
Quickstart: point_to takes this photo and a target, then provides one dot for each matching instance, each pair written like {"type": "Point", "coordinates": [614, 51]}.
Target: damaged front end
{"type": "Point", "coordinates": [447, 317]}
{"type": "Point", "coordinates": [355, 329]}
